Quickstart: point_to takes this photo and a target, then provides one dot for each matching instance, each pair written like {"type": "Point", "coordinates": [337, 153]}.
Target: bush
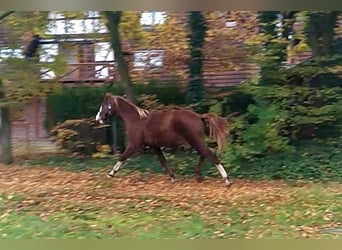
{"type": "Point", "coordinates": [83, 102]}
{"type": "Point", "coordinates": [81, 136]}
{"type": "Point", "coordinates": [312, 160]}
{"type": "Point", "coordinates": [280, 116]}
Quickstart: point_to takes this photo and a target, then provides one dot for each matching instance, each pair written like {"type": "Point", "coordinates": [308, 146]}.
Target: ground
{"type": "Point", "coordinates": [51, 202]}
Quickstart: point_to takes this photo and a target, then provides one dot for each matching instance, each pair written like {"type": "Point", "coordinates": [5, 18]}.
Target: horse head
{"type": "Point", "coordinates": [106, 108]}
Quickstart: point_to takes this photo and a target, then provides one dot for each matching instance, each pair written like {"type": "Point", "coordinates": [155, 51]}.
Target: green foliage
{"type": "Point", "coordinates": [289, 105]}
{"type": "Point", "coordinates": [18, 25]}
{"type": "Point", "coordinates": [312, 160]}
{"type": "Point", "coordinates": [150, 101]}
{"type": "Point", "coordinates": [253, 141]}
{"type": "Point", "coordinates": [273, 47]}
{"type": "Point", "coordinates": [319, 31]}
{"type": "Point", "coordinates": [303, 111]}
{"type": "Point", "coordinates": [73, 103]}
{"type": "Point", "coordinates": [263, 135]}
{"type": "Point", "coordinates": [304, 104]}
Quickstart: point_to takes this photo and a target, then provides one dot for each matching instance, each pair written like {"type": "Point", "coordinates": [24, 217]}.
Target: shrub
{"type": "Point", "coordinates": [83, 102]}
{"type": "Point", "coordinates": [81, 136]}
{"type": "Point", "coordinates": [305, 104]}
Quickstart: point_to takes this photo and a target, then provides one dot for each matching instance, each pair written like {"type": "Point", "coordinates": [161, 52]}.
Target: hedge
{"type": "Point", "coordinates": [83, 102]}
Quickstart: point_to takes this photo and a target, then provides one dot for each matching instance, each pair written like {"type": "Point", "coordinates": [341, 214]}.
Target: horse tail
{"type": "Point", "coordinates": [217, 128]}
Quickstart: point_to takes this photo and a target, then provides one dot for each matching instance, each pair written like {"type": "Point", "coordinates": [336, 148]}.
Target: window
{"type": "Point", "coordinates": [104, 52]}
{"type": "Point", "coordinates": [92, 14]}
{"type": "Point", "coordinates": [148, 59]}
{"type": "Point", "coordinates": [47, 74]}
{"type": "Point", "coordinates": [75, 26]}
{"type": "Point", "coordinates": [98, 26]}
{"type": "Point", "coordinates": [55, 15]}
{"type": "Point", "coordinates": [48, 52]}
{"type": "Point", "coordinates": [56, 27]}
{"type": "Point", "coordinates": [151, 18]}
{"type": "Point", "coordinates": [10, 53]}
{"type": "Point", "coordinates": [91, 23]}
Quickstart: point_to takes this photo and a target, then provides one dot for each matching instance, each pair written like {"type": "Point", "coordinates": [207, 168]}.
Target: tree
{"type": "Point", "coordinates": [6, 156]}
{"type": "Point", "coordinates": [198, 29]}
{"type": "Point", "coordinates": [320, 31]}
{"type": "Point", "coordinates": [20, 79]}
{"type": "Point", "coordinates": [113, 22]}
{"type": "Point", "coordinates": [289, 104]}
{"type": "Point", "coordinates": [5, 125]}
{"type": "Point", "coordinates": [314, 30]}
{"type": "Point", "coordinates": [273, 45]}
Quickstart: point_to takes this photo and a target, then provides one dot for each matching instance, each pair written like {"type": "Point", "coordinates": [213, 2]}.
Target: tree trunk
{"type": "Point", "coordinates": [288, 21]}
{"type": "Point", "coordinates": [275, 51]}
{"type": "Point", "coordinates": [198, 29]}
{"type": "Point", "coordinates": [5, 133]}
{"type": "Point", "coordinates": [328, 36]}
{"type": "Point", "coordinates": [320, 32]}
{"type": "Point", "coordinates": [113, 21]}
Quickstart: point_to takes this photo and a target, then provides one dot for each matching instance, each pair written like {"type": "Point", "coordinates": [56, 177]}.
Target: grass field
{"type": "Point", "coordinates": [45, 201]}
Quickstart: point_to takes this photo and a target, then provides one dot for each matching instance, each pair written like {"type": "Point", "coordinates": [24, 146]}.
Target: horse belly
{"type": "Point", "coordinates": [159, 131]}
{"type": "Point", "coordinates": [170, 140]}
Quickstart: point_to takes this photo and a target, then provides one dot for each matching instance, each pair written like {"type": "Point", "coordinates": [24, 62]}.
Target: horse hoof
{"type": "Point", "coordinates": [172, 179]}
{"type": "Point", "coordinates": [199, 180]}
{"type": "Point", "coordinates": [227, 184]}
{"type": "Point", "coordinates": [110, 175]}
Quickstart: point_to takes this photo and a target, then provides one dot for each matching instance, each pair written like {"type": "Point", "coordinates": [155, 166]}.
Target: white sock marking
{"type": "Point", "coordinates": [116, 167]}
{"type": "Point", "coordinates": [222, 171]}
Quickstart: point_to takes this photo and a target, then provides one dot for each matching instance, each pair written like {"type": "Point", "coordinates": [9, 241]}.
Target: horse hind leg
{"type": "Point", "coordinates": [198, 144]}
{"type": "Point", "coordinates": [215, 161]}
{"type": "Point", "coordinates": [198, 167]}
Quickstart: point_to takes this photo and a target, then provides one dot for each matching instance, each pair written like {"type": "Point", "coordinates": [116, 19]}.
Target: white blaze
{"type": "Point", "coordinates": [222, 171]}
{"type": "Point", "coordinates": [98, 117]}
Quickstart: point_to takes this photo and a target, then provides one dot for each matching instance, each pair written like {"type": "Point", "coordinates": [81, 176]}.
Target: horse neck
{"type": "Point", "coordinates": [127, 112]}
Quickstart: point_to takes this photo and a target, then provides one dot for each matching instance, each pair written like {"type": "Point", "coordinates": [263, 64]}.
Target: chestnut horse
{"type": "Point", "coordinates": [170, 128]}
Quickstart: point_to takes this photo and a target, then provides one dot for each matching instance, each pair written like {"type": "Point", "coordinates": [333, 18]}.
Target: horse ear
{"type": "Point", "coordinates": [106, 95]}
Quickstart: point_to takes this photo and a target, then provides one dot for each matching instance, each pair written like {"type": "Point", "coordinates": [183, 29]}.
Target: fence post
{"type": "Point", "coordinates": [27, 138]}
{"type": "Point", "coordinates": [115, 134]}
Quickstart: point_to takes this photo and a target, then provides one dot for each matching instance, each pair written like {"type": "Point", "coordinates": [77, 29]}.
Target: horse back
{"type": "Point", "coordinates": [167, 128]}
{"type": "Point", "coordinates": [174, 119]}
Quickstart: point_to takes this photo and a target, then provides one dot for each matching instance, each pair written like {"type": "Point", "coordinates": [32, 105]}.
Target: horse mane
{"type": "Point", "coordinates": [142, 113]}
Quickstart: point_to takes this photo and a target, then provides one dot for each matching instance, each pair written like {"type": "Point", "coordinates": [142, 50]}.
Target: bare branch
{"type": "Point", "coordinates": [6, 14]}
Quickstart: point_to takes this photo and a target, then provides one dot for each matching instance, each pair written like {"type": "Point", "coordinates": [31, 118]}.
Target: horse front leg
{"type": "Point", "coordinates": [124, 156]}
